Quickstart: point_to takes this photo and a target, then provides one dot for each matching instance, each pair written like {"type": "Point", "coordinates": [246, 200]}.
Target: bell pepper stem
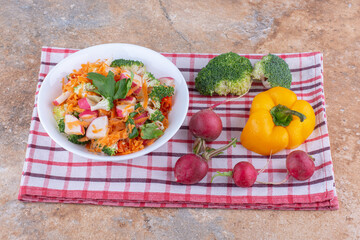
{"type": "Point", "coordinates": [298, 114]}
{"type": "Point", "coordinates": [225, 174]}
{"type": "Point", "coordinates": [282, 115]}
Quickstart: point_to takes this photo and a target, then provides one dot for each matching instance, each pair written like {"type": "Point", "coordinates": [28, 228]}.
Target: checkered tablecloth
{"type": "Point", "coordinates": [52, 174]}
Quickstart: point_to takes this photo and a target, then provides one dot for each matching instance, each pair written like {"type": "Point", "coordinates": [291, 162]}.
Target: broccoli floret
{"type": "Point", "coordinates": [161, 91]}
{"type": "Point", "coordinates": [155, 115]}
{"type": "Point", "coordinates": [105, 104]}
{"type": "Point", "coordinates": [84, 87]}
{"type": "Point", "coordinates": [225, 74]}
{"type": "Point", "coordinates": [125, 62]}
{"type": "Point", "coordinates": [273, 71]}
{"type": "Point", "coordinates": [61, 125]}
{"type": "Point", "coordinates": [75, 139]}
{"type": "Point", "coordinates": [130, 65]}
{"type": "Point", "coordinates": [150, 79]}
{"type": "Point", "coordinates": [110, 150]}
{"type": "Point", "coordinates": [148, 76]}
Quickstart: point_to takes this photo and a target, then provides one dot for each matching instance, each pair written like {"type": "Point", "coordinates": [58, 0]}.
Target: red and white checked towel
{"type": "Point", "coordinates": [52, 174]}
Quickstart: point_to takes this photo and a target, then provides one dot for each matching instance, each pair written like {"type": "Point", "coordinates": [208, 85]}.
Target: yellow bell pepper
{"type": "Point", "coordinates": [277, 121]}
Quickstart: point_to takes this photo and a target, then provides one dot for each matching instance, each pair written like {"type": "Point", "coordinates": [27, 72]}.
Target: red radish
{"type": "Point", "coordinates": [88, 115]}
{"type": "Point", "coordinates": [300, 165]}
{"type": "Point", "coordinates": [59, 100]}
{"type": "Point", "coordinates": [73, 125]}
{"type": "Point", "coordinates": [206, 124]}
{"type": "Point", "coordinates": [98, 128]}
{"type": "Point", "coordinates": [192, 168]}
{"type": "Point", "coordinates": [244, 174]}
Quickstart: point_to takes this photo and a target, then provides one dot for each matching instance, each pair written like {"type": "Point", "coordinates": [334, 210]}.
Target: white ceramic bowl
{"type": "Point", "coordinates": [154, 62]}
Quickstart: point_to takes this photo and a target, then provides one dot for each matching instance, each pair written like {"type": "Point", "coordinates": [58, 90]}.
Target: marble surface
{"type": "Point", "coordinates": [180, 26]}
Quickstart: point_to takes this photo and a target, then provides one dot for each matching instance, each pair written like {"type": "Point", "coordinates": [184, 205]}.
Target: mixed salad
{"type": "Point", "coordinates": [113, 107]}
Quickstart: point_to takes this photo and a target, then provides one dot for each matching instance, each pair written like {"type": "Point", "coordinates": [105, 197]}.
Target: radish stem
{"type": "Point", "coordinates": [226, 174]}
{"type": "Point", "coordinates": [199, 145]}
{"type": "Point", "coordinates": [208, 155]}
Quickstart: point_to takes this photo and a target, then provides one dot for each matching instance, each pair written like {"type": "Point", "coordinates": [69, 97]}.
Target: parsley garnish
{"type": "Point", "coordinates": [134, 133]}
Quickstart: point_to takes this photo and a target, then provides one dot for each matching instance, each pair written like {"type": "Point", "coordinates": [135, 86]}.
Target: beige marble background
{"type": "Point", "coordinates": [331, 27]}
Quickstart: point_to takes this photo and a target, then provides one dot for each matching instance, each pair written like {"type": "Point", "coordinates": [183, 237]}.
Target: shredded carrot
{"type": "Point", "coordinates": [131, 127]}
{"type": "Point", "coordinates": [69, 109]}
{"type": "Point", "coordinates": [127, 107]}
{"type": "Point", "coordinates": [73, 99]}
{"type": "Point", "coordinates": [145, 93]}
{"type": "Point", "coordinates": [140, 120]}
{"type": "Point", "coordinates": [165, 123]}
{"type": "Point", "coordinates": [130, 146]}
{"type": "Point", "coordinates": [113, 112]}
{"type": "Point", "coordinates": [116, 125]}
{"type": "Point", "coordinates": [103, 112]}
{"type": "Point", "coordinates": [79, 110]}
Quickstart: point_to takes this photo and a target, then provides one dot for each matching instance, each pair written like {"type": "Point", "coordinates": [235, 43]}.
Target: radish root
{"type": "Point", "coordinates": [227, 100]}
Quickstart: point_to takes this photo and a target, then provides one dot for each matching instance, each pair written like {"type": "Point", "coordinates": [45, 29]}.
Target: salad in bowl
{"type": "Point", "coordinates": [113, 101]}
{"type": "Point", "coordinates": [113, 107]}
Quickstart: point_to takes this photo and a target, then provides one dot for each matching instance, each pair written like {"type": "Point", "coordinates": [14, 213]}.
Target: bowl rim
{"type": "Point", "coordinates": [93, 156]}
